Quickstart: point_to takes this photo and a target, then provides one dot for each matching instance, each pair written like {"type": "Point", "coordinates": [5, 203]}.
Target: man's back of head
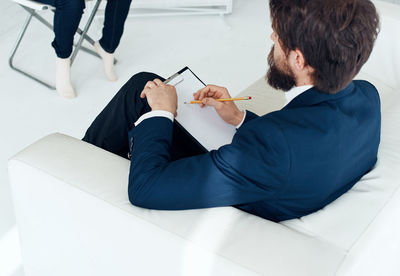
{"type": "Point", "coordinates": [335, 37]}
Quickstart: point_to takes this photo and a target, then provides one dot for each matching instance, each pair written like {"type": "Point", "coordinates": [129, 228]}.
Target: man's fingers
{"type": "Point", "coordinates": [146, 91]}
{"type": "Point", "coordinates": [202, 95]}
{"type": "Point", "coordinates": [207, 89]}
{"type": "Point", "coordinates": [203, 89]}
{"type": "Point", "coordinates": [212, 87]}
{"type": "Point", "coordinates": [210, 94]}
{"type": "Point", "coordinates": [207, 94]}
{"type": "Point", "coordinates": [216, 92]}
{"type": "Point", "coordinates": [150, 84]}
{"type": "Point", "coordinates": [158, 82]}
{"type": "Point", "coordinates": [212, 102]}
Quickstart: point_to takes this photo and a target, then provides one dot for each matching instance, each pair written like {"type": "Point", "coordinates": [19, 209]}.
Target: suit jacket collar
{"type": "Point", "coordinates": [312, 96]}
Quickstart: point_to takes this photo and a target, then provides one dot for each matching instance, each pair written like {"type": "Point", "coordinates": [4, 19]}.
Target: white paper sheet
{"type": "Point", "coordinates": [204, 124]}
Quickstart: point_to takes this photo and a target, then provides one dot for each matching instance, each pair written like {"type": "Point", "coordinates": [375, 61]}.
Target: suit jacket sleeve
{"type": "Point", "coordinates": [249, 116]}
{"type": "Point", "coordinates": [238, 173]}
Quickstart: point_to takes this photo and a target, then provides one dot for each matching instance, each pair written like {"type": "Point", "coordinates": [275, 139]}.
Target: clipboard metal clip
{"type": "Point", "coordinates": [174, 80]}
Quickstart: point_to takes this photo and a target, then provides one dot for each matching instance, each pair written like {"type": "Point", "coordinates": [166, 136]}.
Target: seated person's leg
{"type": "Point", "coordinates": [110, 129]}
{"type": "Point", "coordinates": [183, 144]}
{"type": "Point", "coordinates": [67, 16]}
{"type": "Point", "coordinates": [114, 19]}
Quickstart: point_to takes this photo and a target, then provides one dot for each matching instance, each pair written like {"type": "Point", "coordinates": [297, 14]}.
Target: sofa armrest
{"type": "Point", "coordinates": [75, 218]}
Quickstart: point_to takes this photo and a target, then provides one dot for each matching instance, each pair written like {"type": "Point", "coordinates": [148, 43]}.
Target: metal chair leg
{"type": "Point", "coordinates": [85, 36]}
{"type": "Point", "coordinates": [38, 17]}
{"type": "Point", "coordinates": [17, 44]}
{"type": "Point", "coordinates": [85, 30]}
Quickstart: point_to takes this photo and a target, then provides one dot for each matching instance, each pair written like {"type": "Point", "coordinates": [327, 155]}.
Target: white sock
{"type": "Point", "coordinates": [108, 62]}
{"type": "Point", "coordinates": [63, 78]}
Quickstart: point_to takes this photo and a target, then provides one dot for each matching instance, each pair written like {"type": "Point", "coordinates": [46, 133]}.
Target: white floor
{"type": "Point", "coordinates": [233, 57]}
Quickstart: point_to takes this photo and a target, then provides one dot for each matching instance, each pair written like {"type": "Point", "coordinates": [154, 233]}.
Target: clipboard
{"type": "Point", "coordinates": [203, 124]}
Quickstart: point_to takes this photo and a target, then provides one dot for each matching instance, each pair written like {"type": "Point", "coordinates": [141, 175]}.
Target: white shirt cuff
{"type": "Point", "coordinates": [241, 123]}
{"type": "Point", "coordinates": [155, 113]}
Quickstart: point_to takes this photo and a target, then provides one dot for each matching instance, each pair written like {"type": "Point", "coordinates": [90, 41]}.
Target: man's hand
{"type": "Point", "coordinates": [160, 96]}
{"type": "Point", "coordinates": [228, 111]}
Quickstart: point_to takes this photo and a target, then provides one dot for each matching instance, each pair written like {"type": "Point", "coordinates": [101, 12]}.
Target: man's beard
{"type": "Point", "coordinates": [277, 78]}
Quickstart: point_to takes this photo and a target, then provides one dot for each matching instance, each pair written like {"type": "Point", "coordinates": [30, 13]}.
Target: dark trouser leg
{"type": "Point", "coordinates": [67, 16]}
{"type": "Point", "coordinates": [110, 129]}
{"type": "Point", "coordinates": [114, 20]}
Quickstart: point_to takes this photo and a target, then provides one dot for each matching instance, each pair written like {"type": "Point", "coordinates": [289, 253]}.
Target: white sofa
{"type": "Point", "coordinates": [74, 216]}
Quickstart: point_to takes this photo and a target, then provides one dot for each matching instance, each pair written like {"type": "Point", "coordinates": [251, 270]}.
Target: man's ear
{"type": "Point", "coordinates": [298, 61]}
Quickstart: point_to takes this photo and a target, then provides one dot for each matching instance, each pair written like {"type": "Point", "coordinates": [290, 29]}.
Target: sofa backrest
{"type": "Point", "coordinates": [384, 63]}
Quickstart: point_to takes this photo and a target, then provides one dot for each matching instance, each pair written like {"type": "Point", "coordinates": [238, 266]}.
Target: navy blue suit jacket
{"type": "Point", "coordinates": [279, 166]}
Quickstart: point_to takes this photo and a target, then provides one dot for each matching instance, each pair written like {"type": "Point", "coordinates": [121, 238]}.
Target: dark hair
{"type": "Point", "coordinates": [336, 37]}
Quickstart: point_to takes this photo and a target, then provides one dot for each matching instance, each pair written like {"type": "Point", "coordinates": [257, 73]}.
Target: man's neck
{"type": "Point", "coordinates": [304, 80]}
{"type": "Point", "coordinates": [304, 83]}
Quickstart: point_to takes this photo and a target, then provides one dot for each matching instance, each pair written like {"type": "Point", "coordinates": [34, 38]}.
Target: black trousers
{"type": "Point", "coordinates": [68, 14]}
{"type": "Point", "coordinates": [110, 129]}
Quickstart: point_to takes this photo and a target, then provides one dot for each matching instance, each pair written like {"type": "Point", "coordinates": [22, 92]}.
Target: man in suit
{"type": "Point", "coordinates": [283, 165]}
